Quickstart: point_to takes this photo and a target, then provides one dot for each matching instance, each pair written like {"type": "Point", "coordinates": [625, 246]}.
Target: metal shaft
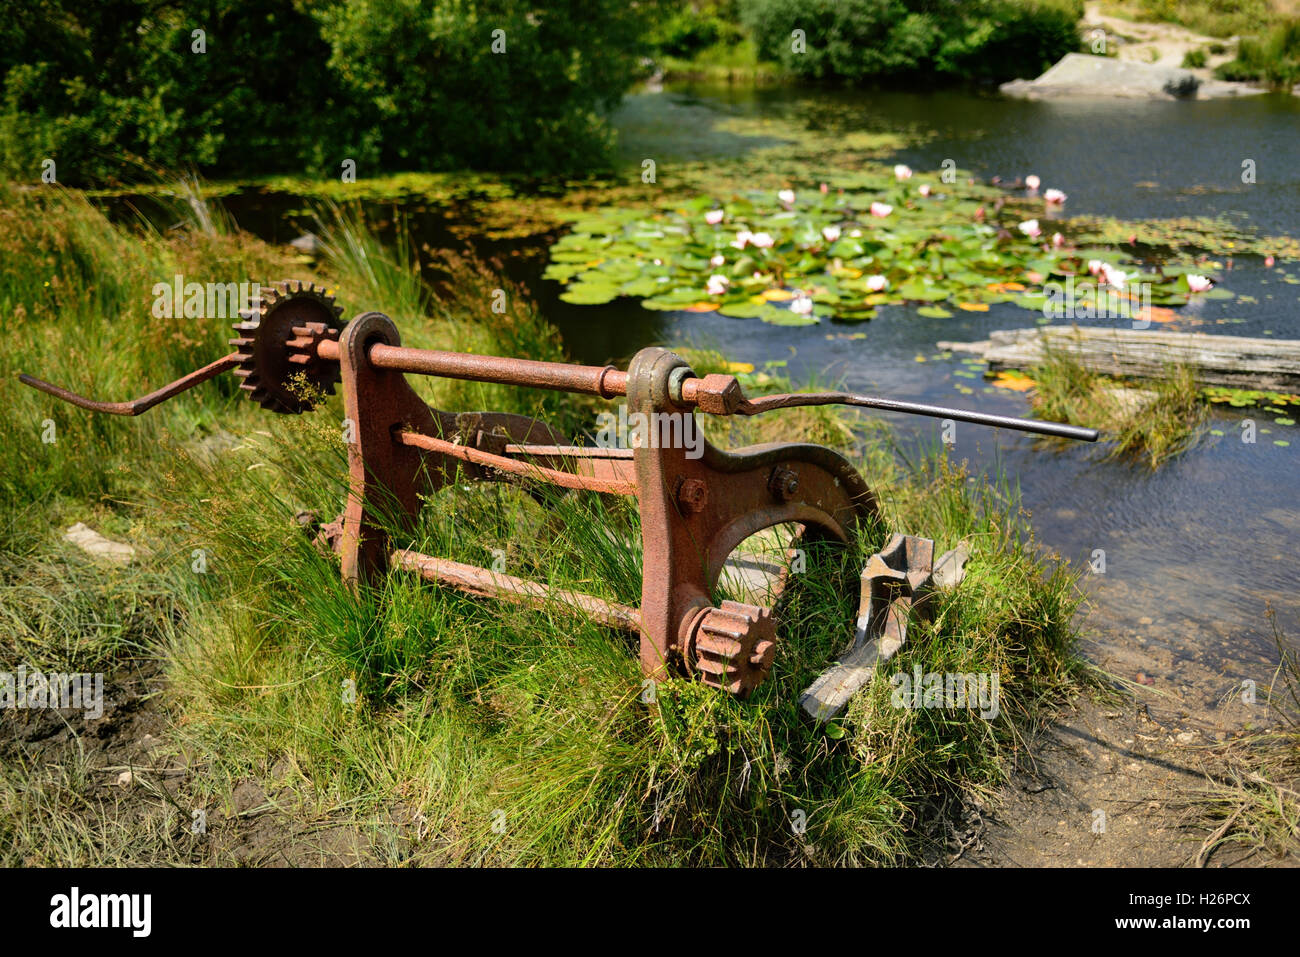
{"type": "Point", "coordinates": [791, 400]}
{"type": "Point", "coordinates": [604, 381]}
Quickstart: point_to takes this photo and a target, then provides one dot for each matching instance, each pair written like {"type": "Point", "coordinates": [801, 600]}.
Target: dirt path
{"type": "Point", "coordinates": [1117, 783]}
{"type": "Point", "coordinates": [1163, 43]}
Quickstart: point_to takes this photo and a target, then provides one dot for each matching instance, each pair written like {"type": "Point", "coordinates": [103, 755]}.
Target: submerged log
{"type": "Point", "coordinates": [1232, 361]}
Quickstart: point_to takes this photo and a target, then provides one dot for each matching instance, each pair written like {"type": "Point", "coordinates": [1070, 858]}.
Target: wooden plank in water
{"type": "Point", "coordinates": [1233, 361]}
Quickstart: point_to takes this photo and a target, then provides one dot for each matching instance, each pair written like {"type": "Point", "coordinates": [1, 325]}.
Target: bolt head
{"type": "Point", "coordinates": [692, 496]}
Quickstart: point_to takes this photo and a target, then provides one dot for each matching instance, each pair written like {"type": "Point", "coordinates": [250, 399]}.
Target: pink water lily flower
{"type": "Point", "coordinates": [1054, 197]}
{"type": "Point", "coordinates": [762, 240]}
{"type": "Point", "coordinates": [1031, 229]}
{"type": "Point", "coordinates": [1095, 266]}
{"type": "Point", "coordinates": [824, 188]}
{"type": "Point", "coordinates": [717, 260]}
{"type": "Point", "coordinates": [924, 189]}
{"type": "Point", "coordinates": [1058, 240]}
{"type": "Point", "coordinates": [1268, 261]}
{"type": "Point", "coordinates": [801, 305]}
{"type": "Point", "coordinates": [1198, 283]}
{"type": "Point", "coordinates": [831, 233]}
{"type": "Point", "coordinates": [1111, 276]}
{"type": "Point", "coordinates": [743, 238]}
{"type": "Point", "coordinates": [786, 196]}
{"type": "Point", "coordinates": [1032, 181]}
{"type": "Point", "coordinates": [902, 172]}
{"type": "Point", "coordinates": [877, 283]}
{"type": "Point", "coordinates": [881, 209]}
{"type": "Point", "coordinates": [713, 217]}
{"type": "Point", "coordinates": [717, 285]}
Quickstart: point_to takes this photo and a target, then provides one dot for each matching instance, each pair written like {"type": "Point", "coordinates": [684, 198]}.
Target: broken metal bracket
{"type": "Point", "coordinates": [897, 582]}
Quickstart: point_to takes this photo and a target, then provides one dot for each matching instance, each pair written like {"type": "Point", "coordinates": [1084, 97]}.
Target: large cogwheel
{"type": "Point", "coordinates": [732, 647]}
{"type": "Point", "coordinates": [277, 346]}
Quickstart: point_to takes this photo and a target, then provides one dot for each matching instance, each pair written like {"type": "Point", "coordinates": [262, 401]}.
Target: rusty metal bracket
{"type": "Point", "coordinates": [898, 582]}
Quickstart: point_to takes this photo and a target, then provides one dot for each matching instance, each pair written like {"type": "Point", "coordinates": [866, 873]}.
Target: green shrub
{"type": "Point", "coordinates": [1194, 59]}
{"type": "Point", "coordinates": [109, 91]}
{"type": "Point", "coordinates": [1274, 60]}
{"type": "Point", "coordinates": [695, 27]}
{"type": "Point", "coordinates": [858, 40]}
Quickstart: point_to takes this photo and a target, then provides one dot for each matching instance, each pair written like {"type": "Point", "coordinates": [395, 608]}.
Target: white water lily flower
{"type": "Point", "coordinates": [902, 172]}
{"type": "Point", "coordinates": [831, 233]}
{"type": "Point", "coordinates": [881, 209]}
{"type": "Point", "coordinates": [717, 284]}
{"type": "Point", "coordinates": [1032, 181]}
{"type": "Point", "coordinates": [762, 240]}
{"type": "Point", "coordinates": [743, 238]}
{"type": "Point", "coordinates": [786, 196]}
{"type": "Point", "coordinates": [1054, 197]}
{"type": "Point", "coordinates": [801, 305]}
{"type": "Point", "coordinates": [713, 217]}
{"type": "Point", "coordinates": [1198, 283]}
{"type": "Point", "coordinates": [717, 260]}
{"type": "Point", "coordinates": [924, 189]}
{"type": "Point", "coordinates": [1058, 240]}
{"type": "Point", "coordinates": [1031, 229]}
{"type": "Point", "coordinates": [877, 283]}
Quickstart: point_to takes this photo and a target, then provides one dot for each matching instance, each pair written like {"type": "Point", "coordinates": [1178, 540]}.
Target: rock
{"type": "Point", "coordinates": [93, 543]}
{"type": "Point", "coordinates": [1187, 737]}
{"type": "Point", "coordinates": [950, 569]}
{"type": "Point", "coordinates": [125, 779]}
{"type": "Point", "coordinates": [1084, 75]}
{"type": "Point", "coordinates": [1130, 402]}
{"type": "Point", "coordinates": [308, 244]}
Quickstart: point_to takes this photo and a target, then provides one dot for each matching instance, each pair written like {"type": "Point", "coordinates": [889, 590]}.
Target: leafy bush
{"type": "Point", "coordinates": [289, 86]}
{"type": "Point", "coordinates": [857, 40]}
{"type": "Point", "coordinates": [1194, 59]}
{"type": "Point", "coordinates": [694, 28]}
{"type": "Point", "coordinates": [1274, 60]}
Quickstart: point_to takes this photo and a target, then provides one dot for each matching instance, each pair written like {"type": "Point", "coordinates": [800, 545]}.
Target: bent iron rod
{"type": "Point", "coordinates": [145, 402]}
{"type": "Point", "coordinates": [604, 381]}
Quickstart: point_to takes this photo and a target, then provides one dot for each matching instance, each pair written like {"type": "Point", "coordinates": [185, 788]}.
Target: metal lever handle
{"type": "Point", "coordinates": [790, 400]}
{"type": "Point", "coordinates": [142, 404]}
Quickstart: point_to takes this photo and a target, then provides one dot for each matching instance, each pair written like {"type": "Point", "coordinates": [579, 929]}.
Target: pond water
{"type": "Point", "coordinates": [1194, 551]}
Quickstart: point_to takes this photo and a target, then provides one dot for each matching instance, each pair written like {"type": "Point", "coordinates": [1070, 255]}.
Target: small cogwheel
{"type": "Point", "coordinates": [277, 343]}
{"type": "Point", "coordinates": [732, 647]}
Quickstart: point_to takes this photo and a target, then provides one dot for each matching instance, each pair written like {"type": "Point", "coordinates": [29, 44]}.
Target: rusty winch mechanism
{"type": "Point", "coordinates": [695, 510]}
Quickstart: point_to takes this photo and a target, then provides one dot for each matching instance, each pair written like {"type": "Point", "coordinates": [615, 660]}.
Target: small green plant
{"type": "Point", "coordinates": [1273, 60]}
{"type": "Point", "coordinates": [1194, 59]}
{"type": "Point", "coordinates": [1153, 421]}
